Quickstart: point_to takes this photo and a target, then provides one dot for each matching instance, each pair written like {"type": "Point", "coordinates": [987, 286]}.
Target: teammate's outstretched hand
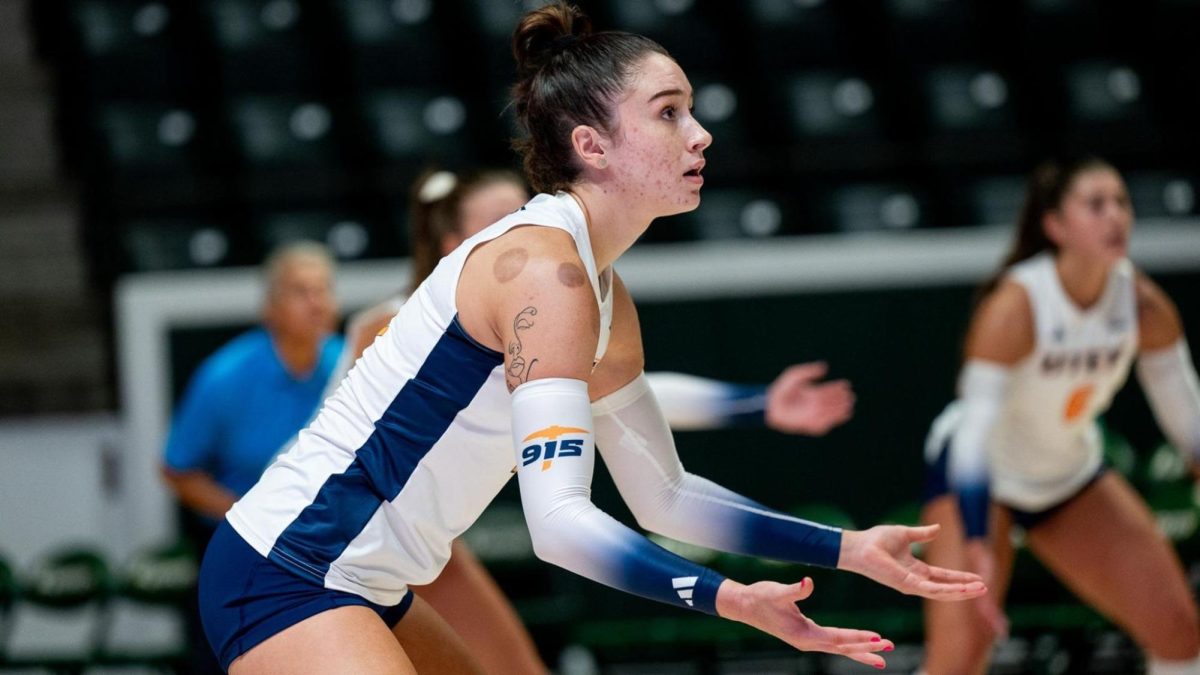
{"type": "Point", "coordinates": [884, 553]}
{"type": "Point", "coordinates": [798, 404]}
{"type": "Point", "coordinates": [771, 608]}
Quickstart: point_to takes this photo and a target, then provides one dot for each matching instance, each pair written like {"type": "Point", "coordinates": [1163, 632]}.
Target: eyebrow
{"type": "Point", "coordinates": [666, 92]}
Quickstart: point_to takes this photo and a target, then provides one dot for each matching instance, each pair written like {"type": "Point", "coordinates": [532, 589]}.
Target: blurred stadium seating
{"type": "Point", "coordinates": [856, 115]}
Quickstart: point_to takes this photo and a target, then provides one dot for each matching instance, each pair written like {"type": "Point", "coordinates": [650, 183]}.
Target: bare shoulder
{"type": "Point", "coordinates": [528, 293]}
{"type": "Point", "coordinates": [1159, 324]}
{"type": "Point", "coordinates": [1002, 329]}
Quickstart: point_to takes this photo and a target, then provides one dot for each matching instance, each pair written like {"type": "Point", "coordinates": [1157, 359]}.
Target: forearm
{"type": "Point", "coordinates": [1169, 380]}
{"type": "Point", "coordinates": [982, 387]}
{"type": "Point", "coordinates": [692, 403]}
{"type": "Point", "coordinates": [640, 453]}
{"type": "Point", "coordinates": [197, 491]}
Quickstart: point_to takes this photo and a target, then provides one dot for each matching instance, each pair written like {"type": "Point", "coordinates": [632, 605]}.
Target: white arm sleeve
{"type": "Point", "coordinates": [691, 403]}
{"type": "Point", "coordinates": [637, 446]}
{"type": "Point", "coordinates": [982, 386]}
{"type": "Point", "coordinates": [552, 433]}
{"type": "Point", "coordinates": [1169, 380]}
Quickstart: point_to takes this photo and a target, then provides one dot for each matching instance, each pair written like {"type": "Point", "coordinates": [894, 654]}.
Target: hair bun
{"type": "Point", "coordinates": [544, 32]}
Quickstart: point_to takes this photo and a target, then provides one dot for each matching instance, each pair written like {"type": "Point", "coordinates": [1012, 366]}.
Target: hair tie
{"type": "Point", "coordinates": [437, 187]}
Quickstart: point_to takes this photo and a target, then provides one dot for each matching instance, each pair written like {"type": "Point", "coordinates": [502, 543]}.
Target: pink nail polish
{"type": "Point", "coordinates": [879, 666]}
{"type": "Point", "coordinates": [874, 639]}
{"type": "Point", "coordinates": [888, 648]}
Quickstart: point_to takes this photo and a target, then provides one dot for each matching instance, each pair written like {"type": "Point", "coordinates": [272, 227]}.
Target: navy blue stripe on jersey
{"type": "Point", "coordinates": [417, 417]}
{"type": "Point", "coordinates": [747, 405]}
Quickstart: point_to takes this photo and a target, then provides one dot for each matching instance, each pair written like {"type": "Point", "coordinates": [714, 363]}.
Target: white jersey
{"type": "Point", "coordinates": [411, 447]}
{"type": "Point", "coordinates": [1046, 444]}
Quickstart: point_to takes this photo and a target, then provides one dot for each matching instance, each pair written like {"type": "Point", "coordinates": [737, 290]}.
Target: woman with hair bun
{"type": "Point", "coordinates": [521, 354]}
{"type": "Point", "coordinates": [1051, 342]}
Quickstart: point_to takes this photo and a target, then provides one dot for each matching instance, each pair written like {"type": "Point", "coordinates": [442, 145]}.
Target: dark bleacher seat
{"type": "Point", "coordinates": [284, 130]}
{"type": "Point", "coordinates": [971, 118]}
{"type": "Point", "coordinates": [1109, 110]}
{"type": "Point", "coordinates": [177, 243]}
{"type": "Point", "coordinates": [349, 235]}
{"type": "Point", "coordinates": [127, 48]}
{"type": "Point", "coordinates": [1163, 194]}
{"type": "Point", "coordinates": [688, 29]}
{"type": "Point", "coordinates": [267, 46]}
{"type": "Point", "coordinates": [875, 206]}
{"type": "Point", "coordinates": [985, 200]}
{"type": "Point", "coordinates": [394, 43]}
{"type": "Point", "coordinates": [734, 213]}
{"type": "Point", "coordinates": [148, 137]}
{"type": "Point", "coordinates": [785, 34]}
{"type": "Point", "coordinates": [417, 126]}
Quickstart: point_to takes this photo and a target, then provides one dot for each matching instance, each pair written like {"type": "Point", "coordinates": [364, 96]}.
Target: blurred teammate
{"type": "Point", "coordinates": [1051, 341]}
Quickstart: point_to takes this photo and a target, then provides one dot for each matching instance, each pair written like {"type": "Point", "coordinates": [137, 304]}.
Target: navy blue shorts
{"type": "Point", "coordinates": [937, 483]}
{"type": "Point", "coordinates": [245, 598]}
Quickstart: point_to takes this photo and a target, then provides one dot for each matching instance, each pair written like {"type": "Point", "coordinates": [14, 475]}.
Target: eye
{"type": "Point", "coordinates": [668, 113]}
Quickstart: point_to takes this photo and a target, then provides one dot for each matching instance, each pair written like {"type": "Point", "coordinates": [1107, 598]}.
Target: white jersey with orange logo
{"type": "Point", "coordinates": [1046, 444]}
{"type": "Point", "coordinates": [412, 446]}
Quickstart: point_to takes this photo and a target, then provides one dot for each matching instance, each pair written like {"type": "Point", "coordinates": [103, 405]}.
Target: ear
{"type": "Point", "coordinates": [589, 146]}
{"type": "Point", "coordinates": [1052, 226]}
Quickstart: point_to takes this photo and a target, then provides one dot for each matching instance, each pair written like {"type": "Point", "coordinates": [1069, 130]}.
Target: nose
{"type": "Point", "coordinates": [700, 138]}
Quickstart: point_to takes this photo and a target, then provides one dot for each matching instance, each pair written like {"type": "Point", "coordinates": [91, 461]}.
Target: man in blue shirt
{"type": "Point", "coordinates": [254, 394]}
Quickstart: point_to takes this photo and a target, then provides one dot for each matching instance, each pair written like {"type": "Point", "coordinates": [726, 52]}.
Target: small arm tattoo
{"type": "Point", "coordinates": [518, 369]}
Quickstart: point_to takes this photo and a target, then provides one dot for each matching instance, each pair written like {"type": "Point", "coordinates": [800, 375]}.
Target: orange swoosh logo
{"type": "Point", "coordinates": [553, 432]}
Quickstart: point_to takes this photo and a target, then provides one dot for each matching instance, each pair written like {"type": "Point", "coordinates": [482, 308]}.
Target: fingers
{"type": "Point", "coordinates": [803, 372]}
{"type": "Point", "coordinates": [924, 533]}
{"type": "Point", "coordinates": [948, 591]}
{"type": "Point", "coordinates": [942, 574]}
{"type": "Point", "coordinates": [800, 590]}
{"type": "Point", "coordinates": [859, 645]}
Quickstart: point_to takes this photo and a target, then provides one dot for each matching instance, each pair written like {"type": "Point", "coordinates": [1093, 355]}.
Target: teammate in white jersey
{"type": "Point", "coordinates": [311, 571]}
{"type": "Point", "coordinates": [446, 209]}
{"type": "Point", "coordinates": [1051, 342]}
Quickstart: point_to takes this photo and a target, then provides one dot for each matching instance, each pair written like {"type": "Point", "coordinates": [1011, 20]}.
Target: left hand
{"type": "Point", "coordinates": [884, 554]}
{"type": "Point", "coordinates": [798, 404]}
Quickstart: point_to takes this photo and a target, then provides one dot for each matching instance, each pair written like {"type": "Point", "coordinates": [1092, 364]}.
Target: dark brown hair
{"type": "Point", "coordinates": [431, 217]}
{"type": "Point", "coordinates": [1044, 192]}
{"type": "Point", "coordinates": [567, 76]}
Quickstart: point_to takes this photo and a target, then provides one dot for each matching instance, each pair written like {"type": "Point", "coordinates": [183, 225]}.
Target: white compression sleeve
{"type": "Point", "coordinates": [982, 386]}
{"type": "Point", "coordinates": [690, 403]}
{"type": "Point", "coordinates": [640, 453]}
{"type": "Point", "coordinates": [1169, 380]}
{"type": "Point", "coordinates": [552, 432]}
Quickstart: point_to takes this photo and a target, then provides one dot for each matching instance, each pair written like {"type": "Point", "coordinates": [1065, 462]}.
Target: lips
{"type": "Point", "coordinates": [693, 174]}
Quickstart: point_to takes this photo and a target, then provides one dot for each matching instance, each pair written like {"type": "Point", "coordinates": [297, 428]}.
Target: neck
{"type": "Point", "coordinates": [1083, 280]}
{"type": "Point", "coordinates": [298, 355]}
{"type": "Point", "coordinates": [611, 227]}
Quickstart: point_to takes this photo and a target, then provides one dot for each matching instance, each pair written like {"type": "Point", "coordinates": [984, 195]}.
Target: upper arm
{"type": "Point", "coordinates": [1002, 329]}
{"type": "Point", "coordinates": [624, 358]}
{"type": "Point", "coordinates": [545, 316]}
{"type": "Point", "coordinates": [1159, 325]}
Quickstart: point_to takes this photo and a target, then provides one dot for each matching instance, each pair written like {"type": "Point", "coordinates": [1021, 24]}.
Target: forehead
{"type": "Point", "coordinates": [302, 269]}
{"type": "Point", "coordinates": [1100, 179]}
{"type": "Point", "coordinates": [655, 73]}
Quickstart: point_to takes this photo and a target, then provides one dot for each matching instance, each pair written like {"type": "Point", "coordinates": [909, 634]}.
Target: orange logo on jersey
{"type": "Point", "coordinates": [552, 432]}
{"type": "Point", "coordinates": [381, 331]}
{"type": "Point", "coordinates": [1077, 402]}
{"type": "Point", "coordinates": [552, 447]}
